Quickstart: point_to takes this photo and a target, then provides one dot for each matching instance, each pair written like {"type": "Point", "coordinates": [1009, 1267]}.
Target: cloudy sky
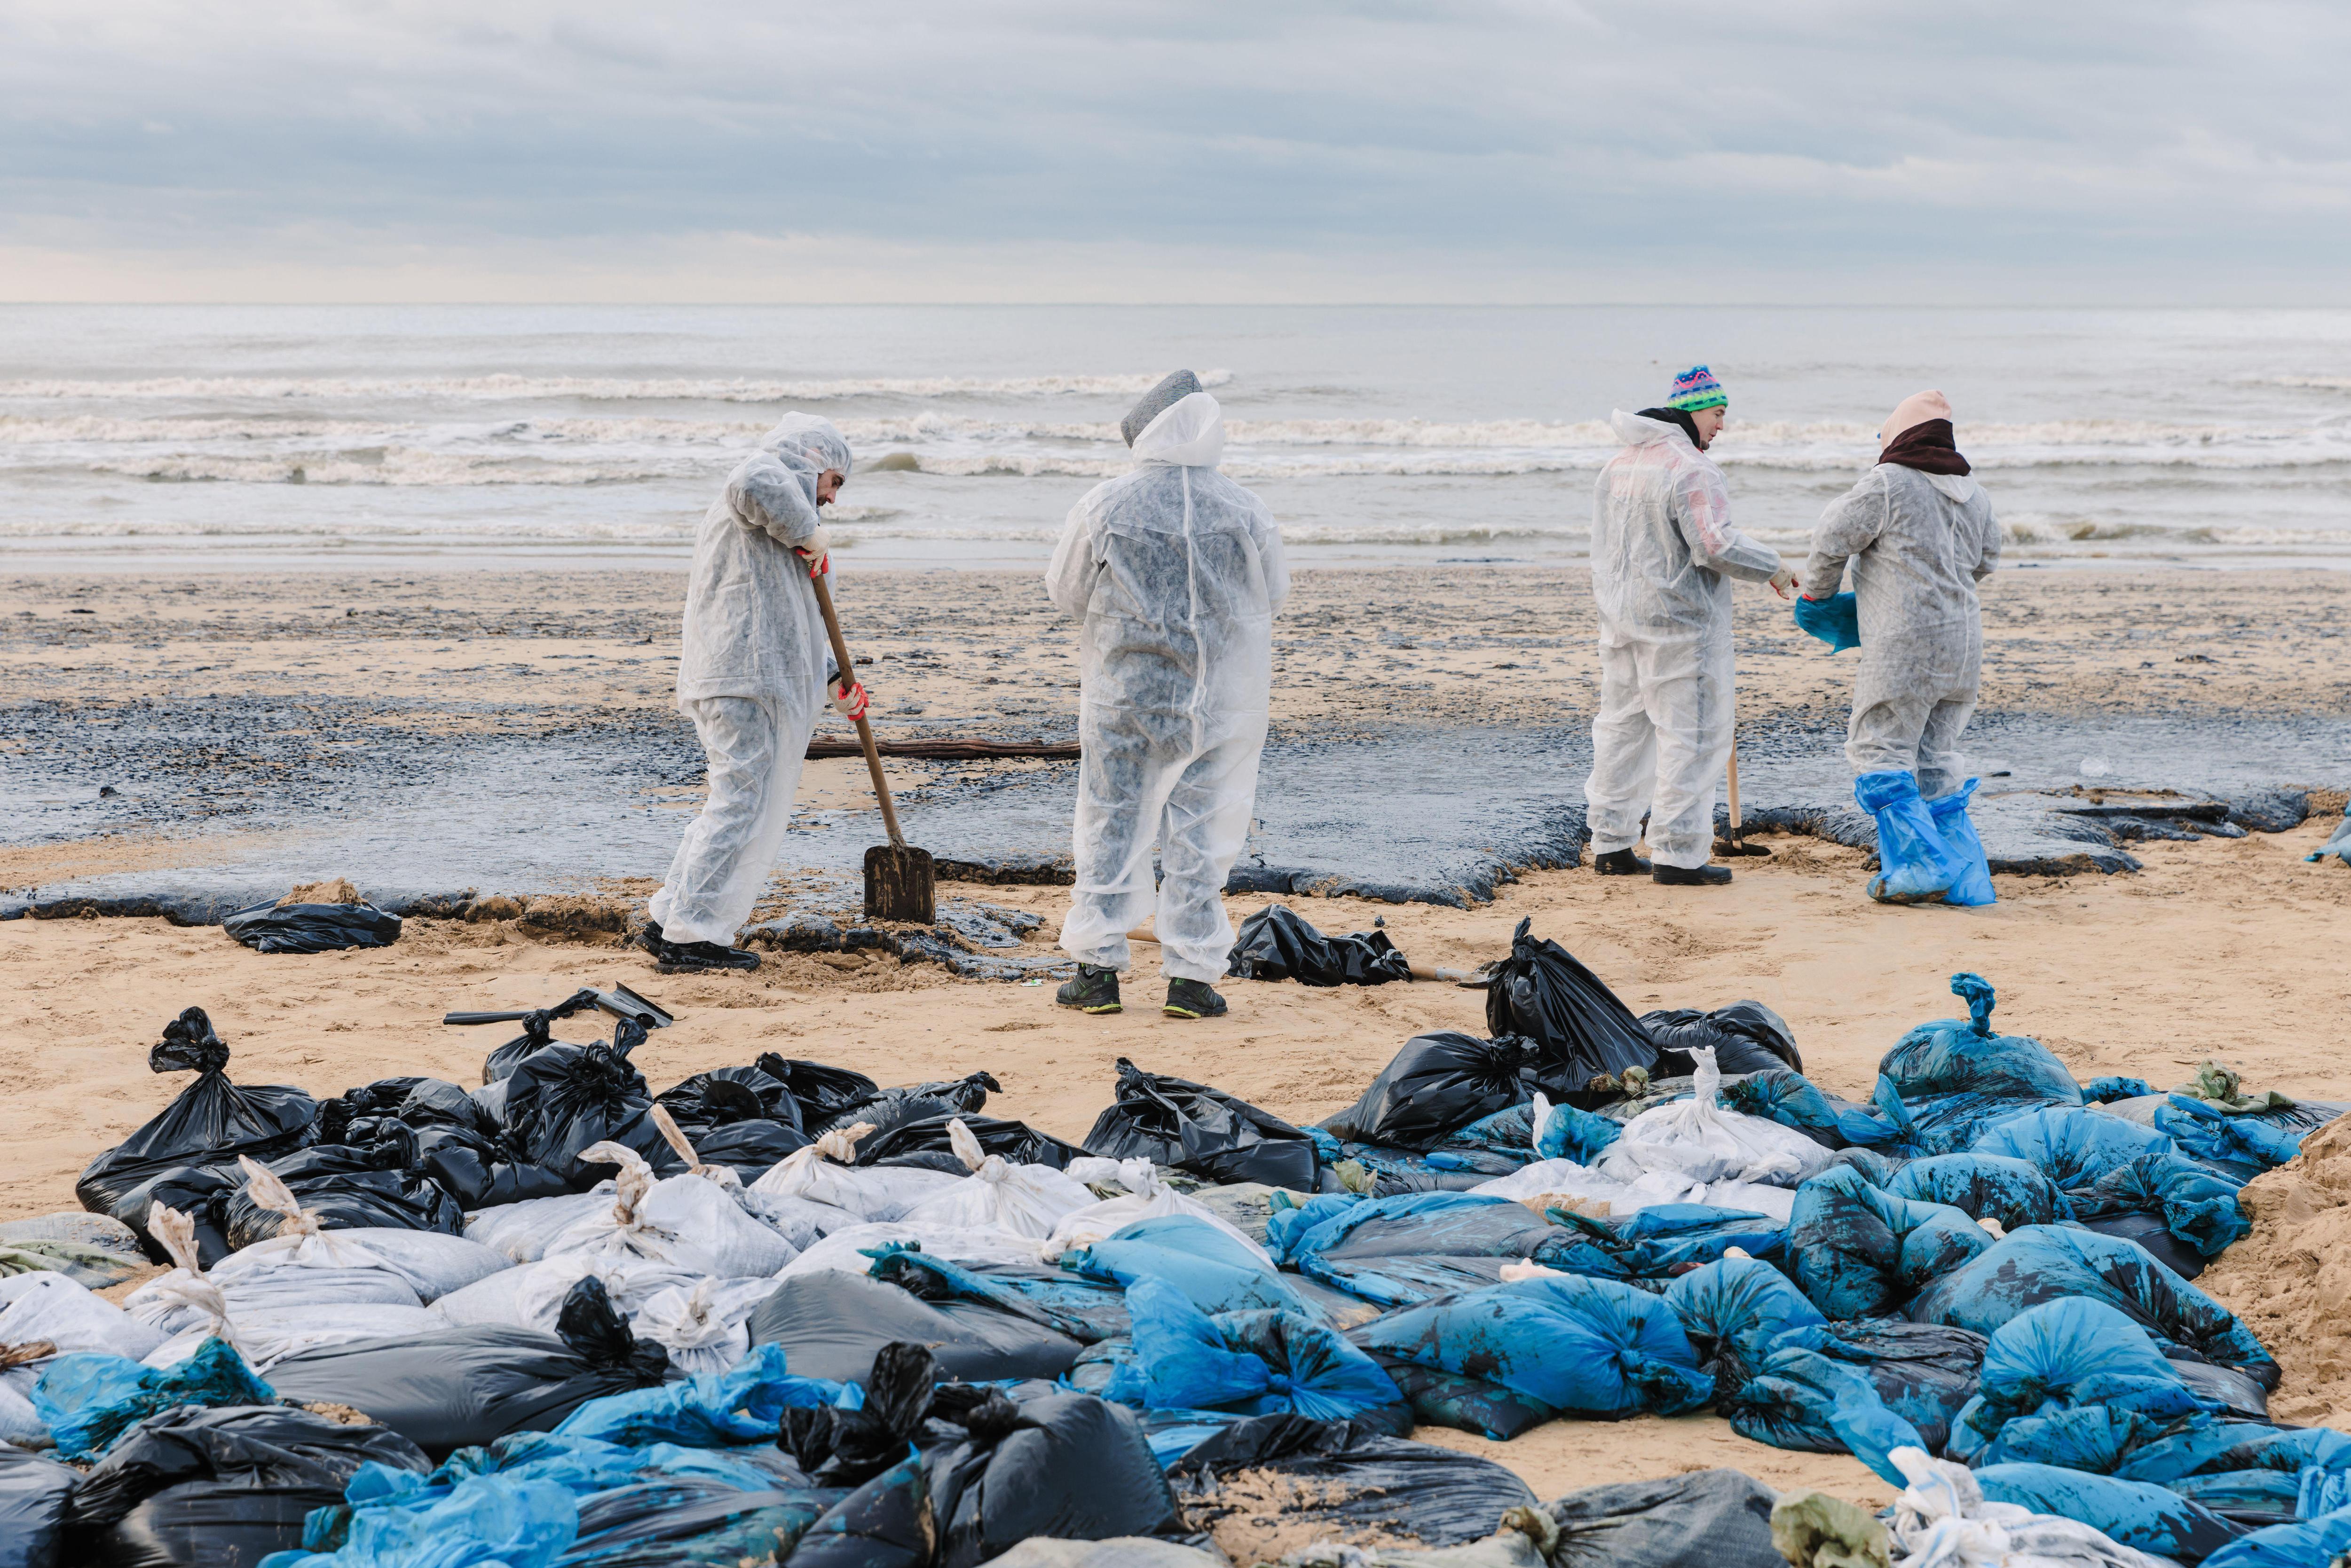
{"type": "Point", "coordinates": [1272, 150]}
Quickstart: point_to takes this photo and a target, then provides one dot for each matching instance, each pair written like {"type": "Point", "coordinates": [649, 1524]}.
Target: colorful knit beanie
{"type": "Point", "coordinates": [1694, 389]}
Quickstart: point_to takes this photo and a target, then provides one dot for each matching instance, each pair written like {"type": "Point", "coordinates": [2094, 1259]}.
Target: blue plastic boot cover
{"type": "Point", "coordinates": [1950, 813]}
{"type": "Point", "coordinates": [1913, 865]}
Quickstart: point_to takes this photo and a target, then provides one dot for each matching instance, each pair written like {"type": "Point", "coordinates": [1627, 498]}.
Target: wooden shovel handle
{"type": "Point", "coordinates": [865, 730]}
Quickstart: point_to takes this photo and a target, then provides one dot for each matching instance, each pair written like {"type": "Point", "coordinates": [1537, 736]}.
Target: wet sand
{"type": "Point", "coordinates": [2226, 948]}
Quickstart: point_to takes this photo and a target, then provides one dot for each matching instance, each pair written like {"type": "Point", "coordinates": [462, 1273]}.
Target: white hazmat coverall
{"type": "Point", "coordinates": [1179, 574]}
{"type": "Point", "coordinates": [1662, 550]}
{"type": "Point", "coordinates": [751, 676]}
{"type": "Point", "coordinates": [1919, 543]}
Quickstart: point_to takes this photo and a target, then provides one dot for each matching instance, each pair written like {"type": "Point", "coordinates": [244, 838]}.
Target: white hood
{"type": "Point", "coordinates": [1959, 487]}
{"type": "Point", "coordinates": [1188, 432]}
{"type": "Point", "coordinates": [1638, 430]}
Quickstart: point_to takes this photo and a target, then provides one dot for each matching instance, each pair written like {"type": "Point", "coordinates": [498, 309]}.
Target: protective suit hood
{"type": "Point", "coordinates": [1188, 432]}
{"type": "Point", "coordinates": [1633, 429]}
{"type": "Point", "coordinates": [809, 444]}
{"type": "Point", "coordinates": [1959, 487]}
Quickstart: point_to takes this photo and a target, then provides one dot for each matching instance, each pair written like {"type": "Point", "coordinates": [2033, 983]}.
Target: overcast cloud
{"type": "Point", "coordinates": [1319, 150]}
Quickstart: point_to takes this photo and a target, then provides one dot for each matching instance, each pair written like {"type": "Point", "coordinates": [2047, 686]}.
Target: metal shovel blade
{"type": "Point", "coordinates": [900, 884]}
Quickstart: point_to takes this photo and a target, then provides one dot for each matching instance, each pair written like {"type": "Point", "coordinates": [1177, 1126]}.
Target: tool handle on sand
{"type": "Point", "coordinates": [865, 730]}
{"type": "Point", "coordinates": [1735, 825]}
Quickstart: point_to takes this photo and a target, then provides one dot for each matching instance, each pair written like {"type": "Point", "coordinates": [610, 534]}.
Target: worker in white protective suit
{"type": "Point", "coordinates": [1179, 574]}
{"type": "Point", "coordinates": [754, 672]}
{"type": "Point", "coordinates": [1663, 555]}
{"type": "Point", "coordinates": [1920, 534]}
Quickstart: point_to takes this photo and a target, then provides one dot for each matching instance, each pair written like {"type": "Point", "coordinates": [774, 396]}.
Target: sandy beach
{"type": "Point", "coordinates": [2221, 948]}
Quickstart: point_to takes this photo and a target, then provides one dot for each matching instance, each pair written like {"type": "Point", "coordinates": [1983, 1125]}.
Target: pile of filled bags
{"type": "Point", "coordinates": [780, 1313]}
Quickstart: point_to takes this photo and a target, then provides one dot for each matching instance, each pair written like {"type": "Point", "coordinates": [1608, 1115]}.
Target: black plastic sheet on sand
{"type": "Point", "coordinates": [1175, 1122]}
{"type": "Point", "coordinates": [1278, 943]}
{"type": "Point", "coordinates": [1579, 1030]}
{"type": "Point", "coordinates": [312, 928]}
{"type": "Point", "coordinates": [1345, 1481]}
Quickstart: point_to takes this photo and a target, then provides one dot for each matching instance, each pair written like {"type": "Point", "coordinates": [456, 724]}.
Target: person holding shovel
{"type": "Point", "coordinates": [1663, 554]}
{"type": "Point", "coordinates": [1177, 573]}
{"type": "Point", "coordinates": [752, 675]}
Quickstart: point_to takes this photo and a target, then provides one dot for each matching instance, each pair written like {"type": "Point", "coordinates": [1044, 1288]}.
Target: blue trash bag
{"type": "Point", "coordinates": [89, 1399]}
{"type": "Point", "coordinates": [1924, 1373]}
{"type": "Point", "coordinates": [1913, 864]}
{"type": "Point", "coordinates": [1803, 1400]}
{"type": "Point", "coordinates": [2065, 1354]}
{"type": "Point", "coordinates": [709, 1410]}
{"type": "Point", "coordinates": [1571, 1132]}
{"type": "Point", "coordinates": [1954, 1076]}
{"type": "Point", "coordinates": [1859, 1251]}
{"type": "Point", "coordinates": [1417, 1245]}
{"type": "Point", "coordinates": [2050, 1262]}
{"type": "Point", "coordinates": [2137, 1514]}
{"type": "Point", "coordinates": [1086, 1310]}
{"type": "Point", "coordinates": [2305, 1543]}
{"type": "Point", "coordinates": [1836, 620]}
{"type": "Point", "coordinates": [1732, 1309]}
{"type": "Point", "coordinates": [1570, 1345]}
{"type": "Point", "coordinates": [1214, 1269]}
{"type": "Point", "coordinates": [1502, 1141]}
{"type": "Point", "coordinates": [1252, 1364]}
{"type": "Point", "coordinates": [484, 1521]}
{"type": "Point", "coordinates": [1984, 1186]}
{"type": "Point", "coordinates": [2109, 1167]}
{"type": "Point", "coordinates": [2099, 1091]}
{"type": "Point", "coordinates": [1783, 1095]}
{"type": "Point", "coordinates": [1973, 889]}
{"type": "Point", "coordinates": [2204, 1132]}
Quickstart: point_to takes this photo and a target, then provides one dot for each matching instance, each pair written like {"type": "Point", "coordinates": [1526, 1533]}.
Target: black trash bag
{"type": "Point", "coordinates": [2153, 1232]}
{"type": "Point", "coordinates": [539, 1033]}
{"type": "Point", "coordinates": [925, 1144]}
{"type": "Point", "coordinates": [1350, 1482]}
{"type": "Point", "coordinates": [347, 1189]}
{"type": "Point", "coordinates": [564, 1098]}
{"type": "Point", "coordinates": [1435, 1085]}
{"type": "Point", "coordinates": [834, 1325]}
{"type": "Point", "coordinates": [1176, 1122]}
{"type": "Point", "coordinates": [1277, 944]}
{"type": "Point", "coordinates": [211, 1124]}
{"type": "Point", "coordinates": [1706, 1519]}
{"type": "Point", "coordinates": [822, 1092]}
{"type": "Point", "coordinates": [750, 1147]}
{"type": "Point", "coordinates": [224, 1487]}
{"type": "Point", "coordinates": [894, 1108]}
{"type": "Point", "coordinates": [1581, 1031]}
{"type": "Point", "coordinates": [1067, 1466]}
{"type": "Point", "coordinates": [197, 1191]}
{"type": "Point", "coordinates": [1747, 1037]}
{"type": "Point", "coordinates": [837, 1447]}
{"type": "Point", "coordinates": [475, 1170]}
{"type": "Point", "coordinates": [727, 1095]}
{"type": "Point", "coordinates": [312, 928]}
{"type": "Point", "coordinates": [470, 1387]}
{"type": "Point", "coordinates": [693, 1522]}
{"type": "Point", "coordinates": [36, 1495]}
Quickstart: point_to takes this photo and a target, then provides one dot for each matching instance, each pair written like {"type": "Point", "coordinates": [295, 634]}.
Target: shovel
{"type": "Point", "coordinates": [900, 883]}
{"type": "Point", "coordinates": [1737, 844]}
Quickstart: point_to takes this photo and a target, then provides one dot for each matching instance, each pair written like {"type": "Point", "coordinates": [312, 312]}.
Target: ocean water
{"type": "Point", "coordinates": [238, 438]}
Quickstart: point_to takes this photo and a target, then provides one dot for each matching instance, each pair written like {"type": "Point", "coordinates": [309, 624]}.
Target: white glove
{"type": "Point", "coordinates": [817, 545]}
{"type": "Point", "coordinates": [1782, 580]}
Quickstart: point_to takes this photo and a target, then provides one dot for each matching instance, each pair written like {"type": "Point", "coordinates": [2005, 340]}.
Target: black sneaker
{"type": "Point", "coordinates": [650, 938]}
{"type": "Point", "coordinates": [1093, 991]}
{"type": "Point", "coordinates": [691, 957]}
{"type": "Point", "coordinates": [1192, 1000]}
{"type": "Point", "coordinates": [1620, 862]}
{"type": "Point", "coordinates": [1691, 876]}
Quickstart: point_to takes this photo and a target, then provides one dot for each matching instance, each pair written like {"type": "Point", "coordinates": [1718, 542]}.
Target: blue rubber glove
{"type": "Point", "coordinates": [1835, 621]}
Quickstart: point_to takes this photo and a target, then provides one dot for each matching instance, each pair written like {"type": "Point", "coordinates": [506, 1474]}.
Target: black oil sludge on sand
{"type": "Point", "coordinates": [419, 817]}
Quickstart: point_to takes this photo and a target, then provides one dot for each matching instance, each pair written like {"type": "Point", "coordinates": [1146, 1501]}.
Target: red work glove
{"type": "Point", "coordinates": [850, 704]}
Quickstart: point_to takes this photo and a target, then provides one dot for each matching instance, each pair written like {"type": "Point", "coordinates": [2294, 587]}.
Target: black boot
{"type": "Point", "coordinates": [1192, 1000]}
{"type": "Point", "coordinates": [692, 957]}
{"type": "Point", "coordinates": [650, 938]}
{"type": "Point", "coordinates": [1093, 991]}
{"type": "Point", "coordinates": [1690, 876]}
{"type": "Point", "coordinates": [1620, 862]}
